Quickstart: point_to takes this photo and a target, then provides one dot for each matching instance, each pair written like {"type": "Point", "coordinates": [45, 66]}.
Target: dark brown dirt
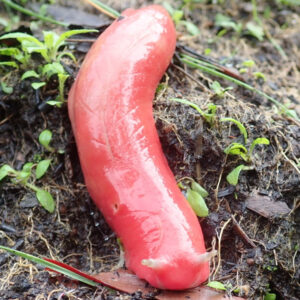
{"type": "Point", "coordinates": [264, 258]}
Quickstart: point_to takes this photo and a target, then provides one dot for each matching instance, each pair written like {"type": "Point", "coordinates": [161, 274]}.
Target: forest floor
{"type": "Point", "coordinates": [253, 224]}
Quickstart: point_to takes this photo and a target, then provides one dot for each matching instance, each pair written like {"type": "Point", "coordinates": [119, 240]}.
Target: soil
{"type": "Point", "coordinates": [254, 225]}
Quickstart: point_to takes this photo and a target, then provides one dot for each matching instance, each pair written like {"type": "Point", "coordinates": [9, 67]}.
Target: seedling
{"type": "Point", "coordinates": [207, 51]}
{"type": "Point", "coordinates": [233, 177]}
{"type": "Point", "coordinates": [60, 99]}
{"type": "Point", "coordinates": [227, 23]}
{"type": "Point", "coordinates": [197, 203]}
{"type": "Point", "coordinates": [23, 177]}
{"type": "Point", "coordinates": [241, 150]}
{"type": "Point", "coordinates": [49, 48]}
{"type": "Point", "coordinates": [219, 90]}
{"type": "Point", "coordinates": [240, 126]}
{"type": "Point", "coordinates": [260, 75]}
{"type": "Point", "coordinates": [217, 285]}
{"type": "Point", "coordinates": [248, 63]}
{"type": "Point", "coordinates": [42, 168]}
{"type": "Point", "coordinates": [37, 85]}
{"type": "Point", "coordinates": [45, 139]}
{"type": "Point", "coordinates": [213, 70]}
{"type": "Point", "coordinates": [270, 296]}
{"type": "Point", "coordinates": [5, 88]}
{"type": "Point", "coordinates": [177, 16]}
{"type": "Point", "coordinates": [208, 115]}
{"type": "Point", "coordinates": [255, 30]}
{"type": "Point", "coordinates": [195, 195]}
{"type": "Point", "coordinates": [20, 56]}
{"type": "Point", "coordinates": [221, 287]}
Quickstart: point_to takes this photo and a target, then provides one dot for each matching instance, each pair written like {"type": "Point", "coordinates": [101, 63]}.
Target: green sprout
{"type": "Point", "coordinates": [208, 115]}
{"type": "Point", "coordinates": [177, 16]}
{"type": "Point", "coordinates": [241, 150]}
{"type": "Point", "coordinates": [195, 195]}
{"type": "Point", "coordinates": [270, 296]}
{"type": "Point", "coordinates": [45, 138]}
{"type": "Point", "coordinates": [24, 177]}
{"type": "Point", "coordinates": [219, 90]}
{"type": "Point", "coordinates": [48, 49]}
{"type": "Point", "coordinates": [227, 23]}
{"type": "Point", "coordinates": [221, 286]}
{"type": "Point", "coordinates": [213, 70]}
{"type": "Point", "coordinates": [240, 126]}
{"type": "Point", "coordinates": [217, 285]}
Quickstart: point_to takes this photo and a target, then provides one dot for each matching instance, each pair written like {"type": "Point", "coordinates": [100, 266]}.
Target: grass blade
{"type": "Point", "coordinates": [192, 62]}
{"type": "Point", "coordinates": [104, 8]}
{"type": "Point", "coordinates": [57, 267]}
{"type": "Point", "coordinates": [31, 13]}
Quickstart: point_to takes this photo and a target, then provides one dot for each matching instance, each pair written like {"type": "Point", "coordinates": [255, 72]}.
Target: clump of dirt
{"type": "Point", "coordinates": [258, 248]}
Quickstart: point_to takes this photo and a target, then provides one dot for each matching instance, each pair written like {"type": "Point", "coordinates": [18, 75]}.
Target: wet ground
{"type": "Point", "coordinates": [254, 225]}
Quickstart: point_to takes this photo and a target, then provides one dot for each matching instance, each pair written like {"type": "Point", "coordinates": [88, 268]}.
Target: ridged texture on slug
{"type": "Point", "coordinates": [126, 173]}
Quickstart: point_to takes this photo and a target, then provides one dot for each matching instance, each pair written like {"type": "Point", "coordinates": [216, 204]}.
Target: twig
{"type": "Point", "coordinates": [81, 40]}
{"type": "Point", "coordinates": [211, 62]}
{"type": "Point", "coordinates": [5, 119]}
{"type": "Point", "coordinates": [238, 229]}
{"type": "Point", "coordinates": [216, 191]}
{"type": "Point", "coordinates": [204, 88]}
{"type": "Point", "coordinates": [286, 158]}
{"type": "Point", "coordinates": [219, 246]}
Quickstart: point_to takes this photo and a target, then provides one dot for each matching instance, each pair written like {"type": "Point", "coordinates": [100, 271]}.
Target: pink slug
{"type": "Point", "coordinates": [125, 170]}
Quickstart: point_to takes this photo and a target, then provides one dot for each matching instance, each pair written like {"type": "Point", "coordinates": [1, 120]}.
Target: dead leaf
{"type": "Point", "coordinates": [266, 207]}
{"type": "Point", "coordinates": [125, 281]}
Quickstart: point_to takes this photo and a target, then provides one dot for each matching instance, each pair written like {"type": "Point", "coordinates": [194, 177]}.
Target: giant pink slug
{"type": "Point", "coordinates": [125, 170]}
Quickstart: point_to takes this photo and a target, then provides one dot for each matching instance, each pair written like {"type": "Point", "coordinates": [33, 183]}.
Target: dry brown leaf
{"type": "Point", "coordinates": [266, 207]}
{"type": "Point", "coordinates": [125, 281]}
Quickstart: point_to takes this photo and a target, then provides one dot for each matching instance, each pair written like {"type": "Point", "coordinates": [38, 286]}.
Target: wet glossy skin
{"type": "Point", "coordinates": [126, 173]}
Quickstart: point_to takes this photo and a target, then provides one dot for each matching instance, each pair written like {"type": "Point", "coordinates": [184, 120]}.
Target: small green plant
{"type": "Point", "coordinates": [26, 178]}
{"type": "Point", "coordinates": [178, 15]}
{"type": "Point", "coordinates": [222, 287]}
{"type": "Point", "coordinates": [209, 115]}
{"type": "Point", "coordinates": [215, 71]}
{"type": "Point", "coordinates": [247, 66]}
{"type": "Point", "coordinates": [260, 75]}
{"type": "Point", "coordinates": [227, 23]}
{"type": "Point", "coordinates": [219, 90]}
{"type": "Point", "coordinates": [15, 53]}
{"type": "Point", "coordinates": [49, 49]}
{"type": "Point", "coordinates": [270, 296]}
{"type": "Point", "coordinates": [45, 138]}
{"type": "Point", "coordinates": [195, 195]}
{"type": "Point", "coordinates": [255, 30]}
{"type": "Point", "coordinates": [217, 285]}
{"type": "Point", "coordinates": [5, 88]}
{"type": "Point", "coordinates": [241, 150]}
{"type": "Point", "coordinates": [289, 2]}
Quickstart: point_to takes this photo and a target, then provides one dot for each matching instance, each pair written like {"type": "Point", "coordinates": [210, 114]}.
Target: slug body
{"type": "Point", "coordinates": [125, 170]}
